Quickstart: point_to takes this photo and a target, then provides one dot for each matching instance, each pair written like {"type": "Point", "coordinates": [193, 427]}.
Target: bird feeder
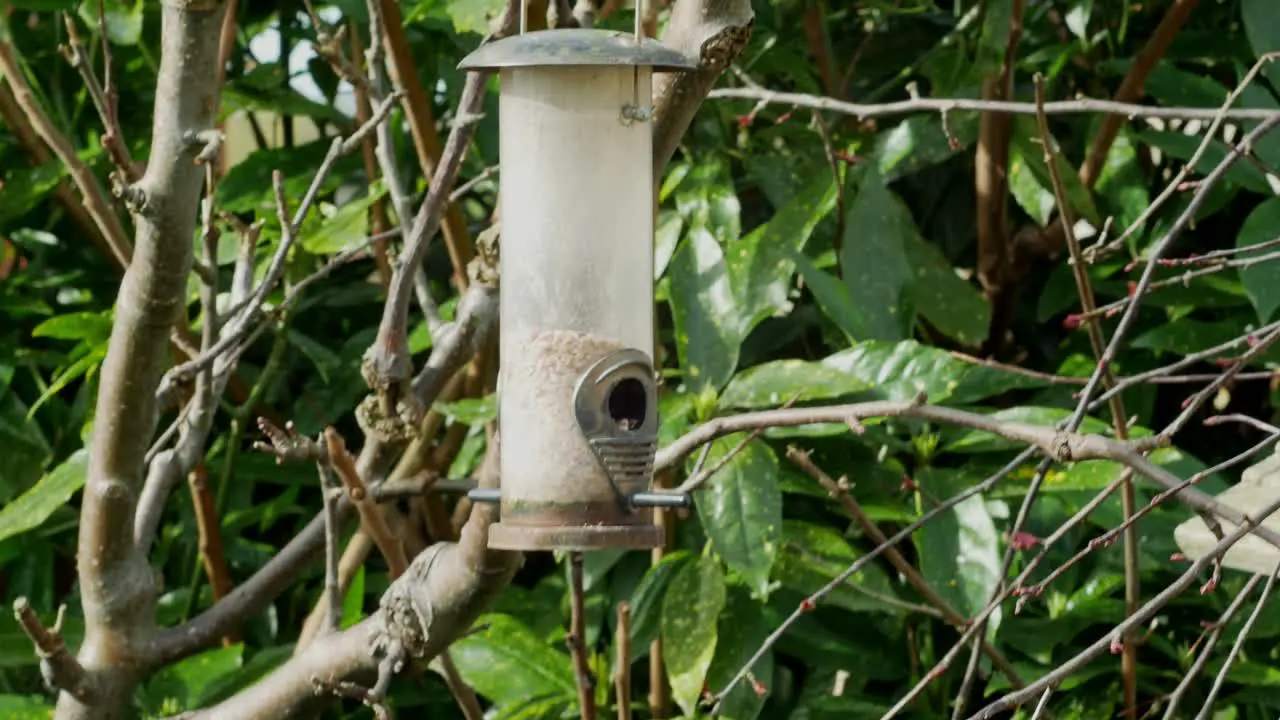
{"type": "Point", "coordinates": [1258, 488]}
{"type": "Point", "coordinates": [577, 402]}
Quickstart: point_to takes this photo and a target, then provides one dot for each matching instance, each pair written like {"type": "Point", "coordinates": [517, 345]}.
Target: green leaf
{"type": "Point", "coordinates": [920, 142]}
{"type": "Point", "coordinates": [761, 265]}
{"type": "Point", "coordinates": [24, 707]}
{"type": "Point", "coordinates": [666, 236]}
{"type": "Point", "coordinates": [123, 20]}
{"type": "Point", "coordinates": [773, 383]}
{"type": "Point", "coordinates": [646, 601]}
{"type": "Point", "coordinates": [187, 681]}
{"type": "Point", "coordinates": [741, 630]}
{"type": "Point", "coordinates": [1034, 198]}
{"type": "Point", "coordinates": [705, 311]}
{"type": "Point", "coordinates": [813, 555]}
{"type": "Point", "coordinates": [473, 16]}
{"type": "Point", "coordinates": [1262, 27]}
{"type": "Point", "coordinates": [741, 509]}
{"type": "Point", "coordinates": [470, 411]}
{"type": "Point", "coordinates": [247, 185]}
{"type": "Point", "coordinates": [873, 260]}
{"type": "Point", "coordinates": [353, 601]}
{"type": "Point", "coordinates": [1261, 281]}
{"type": "Point", "coordinates": [25, 189]}
{"type": "Point", "coordinates": [980, 441]}
{"type": "Point", "coordinates": [93, 327]}
{"type": "Point", "coordinates": [1123, 183]}
{"type": "Point", "coordinates": [508, 663]}
{"type": "Point", "coordinates": [1181, 147]}
{"type": "Point", "coordinates": [343, 228]}
{"type": "Point", "coordinates": [1185, 336]}
{"type": "Point", "coordinates": [690, 610]}
{"type": "Point", "coordinates": [833, 297]}
{"type": "Point", "coordinates": [1026, 143]}
{"type": "Point", "coordinates": [959, 550]}
{"type": "Point", "coordinates": [899, 371]}
{"type": "Point", "coordinates": [53, 491]}
{"type": "Point", "coordinates": [953, 305]}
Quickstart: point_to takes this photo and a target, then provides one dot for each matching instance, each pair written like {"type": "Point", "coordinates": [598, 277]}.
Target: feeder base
{"type": "Point", "coordinates": [508, 536]}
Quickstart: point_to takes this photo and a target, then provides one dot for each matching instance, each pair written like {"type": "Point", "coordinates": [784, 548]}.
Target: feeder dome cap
{"type": "Point", "coordinates": [576, 47]}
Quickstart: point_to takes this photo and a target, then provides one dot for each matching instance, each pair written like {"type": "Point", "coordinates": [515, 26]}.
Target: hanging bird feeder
{"type": "Point", "coordinates": [577, 402]}
{"type": "Point", "coordinates": [1258, 488]}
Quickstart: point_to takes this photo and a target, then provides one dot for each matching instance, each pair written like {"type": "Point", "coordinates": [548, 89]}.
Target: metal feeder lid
{"type": "Point", "coordinates": [579, 47]}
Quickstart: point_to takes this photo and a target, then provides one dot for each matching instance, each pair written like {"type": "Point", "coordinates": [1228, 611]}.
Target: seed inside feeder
{"type": "Point", "coordinates": [551, 459]}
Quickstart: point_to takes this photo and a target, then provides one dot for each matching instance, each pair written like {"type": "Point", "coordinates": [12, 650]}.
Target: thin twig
{"type": "Point", "coordinates": [577, 640]}
{"type": "Point", "coordinates": [1221, 678]}
{"type": "Point", "coordinates": [1083, 106]}
{"type": "Point", "coordinates": [60, 667]}
{"type": "Point", "coordinates": [839, 489]}
{"type": "Point", "coordinates": [329, 485]}
{"type": "Point", "coordinates": [1119, 418]}
{"type": "Point", "coordinates": [1203, 658]}
{"type": "Point", "coordinates": [622, 662]}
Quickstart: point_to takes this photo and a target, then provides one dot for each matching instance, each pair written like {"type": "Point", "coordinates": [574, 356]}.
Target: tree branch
{"type": "Point", "coordinates": [117, 584]}
{"type": "Point", "coordinates": [712, 31]}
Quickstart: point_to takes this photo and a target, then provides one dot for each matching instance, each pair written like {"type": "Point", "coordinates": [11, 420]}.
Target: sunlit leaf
{"type": "Point", "coordinates": [34, 506]}
{"type": "Point", "coordinates": [741, 509]}
{"type": "Point", "coordinates": [690, 609]}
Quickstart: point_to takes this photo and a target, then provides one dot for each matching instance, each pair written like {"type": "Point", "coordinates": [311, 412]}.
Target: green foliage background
{"type": "Point", "coordinates": [786, 271]}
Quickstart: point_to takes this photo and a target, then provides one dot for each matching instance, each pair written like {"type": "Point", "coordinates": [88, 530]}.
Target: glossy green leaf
{"type": "Point", "coordinates": [1262, 28]}
{"type": "Point", "coordinates": [950, 303]}
{"type": "Point", "coordinates": [247, 185]}
{"type": "Point", "coordinates": [833, 297]}
{"type": "Point", "coordinates": [981, 441]}
{"type": "Point", "coordinates": [186, 682]}
{"type": "Point", "coordinates": [537, 708]}
{"type": "Point", "coordinates": [353, 600]}
{"type": "Point", "coordinates": [507, 663]}
{"type": "Point", "coordinates": [1181, 147]}
{"type": "Point", "coordinates": [741, 631]}
{"type": "Point", "coordinates": [741, 509]}
{"type": "Point", "coordinates": [342, 228]}
{"type": "Point", "coordinates": [1035, 199]}
{"type": "Point", "coordinates": [1185, 336]}
{"type": "Point", "coordinates": [774, 383]}
{"type": "Point", "coordinates": [920, 142]}
{"type": "Point", "coordinates": [646, 601]}
{"type": "Point", "coordinates": [1262, 280]}
{"type": "Point", "coordinates": [708, 319]}
{"type": "Point", "coordinates": [959, 551]}
{"type": "Point", "coordinates": [873, 260]}
{"type": "Point", "coordinates": [1123, 182]}
{"type": "Point", "coordinates": [690, 610]}
{"type": "Point", "coordinates": [761, 264]}
{"type": "Point", "coordinates": [93, 327]}
{"type": "Point", "coordinates": [1026, 140]}
{"type": "Point", "coordinates": [899, 371]}
{"type": "Point", "coordinates": [123, 19]}
{"type": "Point", "coordinates": [813, 555]}
{"type": "Point", "coordinates": [471, 411]}
{"type": "Point", "coordinates": [26, 188]}
{"type": "Point", "coordinates": [666, 236]}
{"type": "Point", "coordinates": [35, 506]}
{"type": "Point", "coordinates": [706, 199]}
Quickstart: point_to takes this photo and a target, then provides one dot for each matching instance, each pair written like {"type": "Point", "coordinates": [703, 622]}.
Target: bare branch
{"type": "Point", "coordinates": [61, 671]}
{"type": "Point", "coordinates": [117, 584]}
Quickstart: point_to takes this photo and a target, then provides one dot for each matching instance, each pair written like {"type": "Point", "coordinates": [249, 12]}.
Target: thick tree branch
{"type": "Point", "coordinates": [1058, 445]}
{"type": "Point", "coordinates": [117, 584]}
{"type": "Point", "coordinates": [712, 31]}
{"type": "Point", "coordinates": [444, 590]}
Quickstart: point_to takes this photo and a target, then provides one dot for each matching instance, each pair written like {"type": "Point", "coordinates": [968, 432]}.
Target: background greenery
{"type": "Point", "coordinates": [798, 260]}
